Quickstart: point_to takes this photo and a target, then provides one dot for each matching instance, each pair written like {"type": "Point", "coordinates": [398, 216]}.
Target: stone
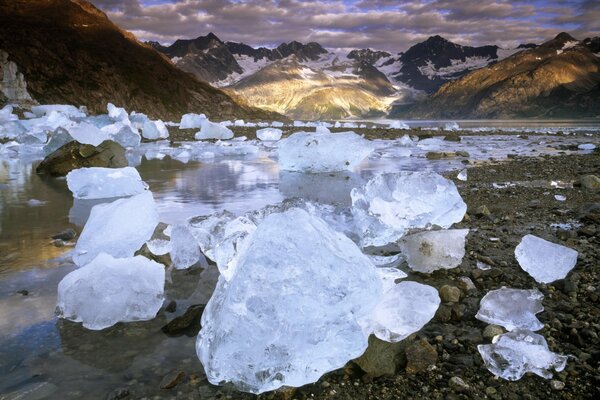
{"type": "Point", "coordinates": [515, 353]}
{"type": "Point", "coordinates": [66, 235]}
{"type": "Point", "coordinates": [491, 331]}
{"type": "Point", "coordinates": [187, 324]}
{"type": "Point", "coordinates": [108, 290]}
{"type": "Point", "coordinates": [75, 155]}
{"type": "Point", "coordinates": [545, 261]}
{"type": "Point", "coordinates": [381, 358]}
{"type": "Point", "coordinates": [512, 308]}
{"type": "Point", "coordinates": [591, 182]}
{"type": "Point", "coordinates": [419, 356]}
{"type": "Point", "coordinates": [450, 294]}
{"type": "Point", "coordinates": [439, 155]}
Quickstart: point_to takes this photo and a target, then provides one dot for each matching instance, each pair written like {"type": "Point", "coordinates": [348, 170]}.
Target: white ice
{"type": "Point", "coordinates": [99, 183]}
{"type": "Point", "coordinates": [512, 308]}
{"type": "Point", "coordinates": [86, 133]}
{"type": "Point", "coordinates": [192, 121]}
{"type": "Point", "coordinates": [545, 261]}
{"type": "Point", "coordinates": [398, 125]}
{"type": "Point", "coordinates": [211, 130]}
{"type": "Point", "coordinates": [110, 290]}
{"type": "Point", "coordinates": [269, 134]}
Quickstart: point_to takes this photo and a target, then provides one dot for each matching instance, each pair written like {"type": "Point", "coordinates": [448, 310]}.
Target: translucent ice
{"type": "Point", "coordinates": [192, 121]}
{"type": "Point", "coordinates": [86, 133]}
{"type": "Point", "coordinates": [269, 134]}
{"type": "Point", "coordinates": [184, 247]}
{"type": "Point", "coordinates": [276, 124]}
{"type": "Point", "coordinates": [432, 250]}
{"type": "Point", "coordinates": [68, 110]}
{"type": "Point", "coordinates": [154, 130]}
{"type": "Point", "coordinates": [545, 261]}
{"type": "Point", "coordinates": [318, 152]}
{"type": "Point", "coordinates": [211, 130]}
{"type": "Point", "coordinates": [512, 308]}
{"type": "Point", "coordinates": [513, 354]}
{"type": "Point", "coordinates": [110, 290]}
{"type": "Point", "coordinates": [99, 183]}
{"type": "Point", "coordinates": [126, 136]}
{"type": "Point", "coordinates": [462, 175]}
{"type": "Point", "coordinates": [392, 203]}
{"type": "Point", "coordinates": [58, 138]}
{"type": "Point", "coordinates": [404, 309]}
{"type": "Point", "coordinates": [290, 312]}
{"type": "Point", "coordinates": [119, 228]}
{"type": "Point", "coordinates": [451, 126]}
{"type": "Point", "coordinates": [586, 146]}
{"type": "Point", "coordinates": [398, 125]}
{"type": "Point", "coordinates": [117, 113]}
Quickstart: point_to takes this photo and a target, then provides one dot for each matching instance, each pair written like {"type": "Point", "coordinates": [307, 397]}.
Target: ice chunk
{"type": "Point", "coordinates": [110, 290]}
{"type": "Point", "coordinates": [398, 125]}
{"type": "Point", "coordinates": [405, 141]}
{"type": "Point", "coordinates": [432, 250]}
{"type": "Point", "coordinates": [269, 134]}
{"type": "Point", "coordinates": [127, 137]}
{"type": "Point", "coordinates": [32, 137]}
{"type": "Point", "coordinates": [184, 247]}
{"type": "Point", "coordinates": [211, 130]}
{"type": "Point", "coordinates": [388, 261]}
{"type": "Point", "coordinates": [560, 197]}
{"type": "Point", "coordinates": [317, 152]}
{"type": "Point", "coordinates": [513, 354]}
{"type": "Point", "coordinates": [276, 124]}
{"type": "Point", "coordinates": [192, 121]}
{"type": "Point", "coordinates": [299, 124]}
{"type": "Point", "coordinates": [587, 146]}
{"type": "Point", "coordinates": [58, 138]}
{"type": "Point", "coordinates": [158, 246]}
{"type": "Point", "coordinates": [99, 183]}
{"type": "Point", "coordinates": [322, 129]}
{"type": "Point", "coordinates": [462, 175]}
{"type": "Point", "coordinates": [68, 110]}
{"type": "Point", "coordinates": [117, 113]}
{"type": "Point", "coordinates": [6, 114]}
{"type": "Point", "coordinates": [119, 228]}
{"type": "Point", "coordinates": [545, 261]}
{"type": "Point", "coordinates": [86, 133]}
{"type": "Point", "coordinates": [290, 312]}
{"type": "Point", "coordinates": [239, 122]}
{"type": "Point", "coordinates": [391, 203]}
{"type": "Point", "coordinates": [154, 130]}
{"type": "Point", "coordinates": [512, 308]}
{"type": "Point", "coordinates": [451, 126]}
{"type": "Point", "coordinates": [404, 309]}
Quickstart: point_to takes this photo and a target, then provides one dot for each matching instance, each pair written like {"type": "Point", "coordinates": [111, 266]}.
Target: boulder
{"type": "Point", "coordinates": [75, 155]}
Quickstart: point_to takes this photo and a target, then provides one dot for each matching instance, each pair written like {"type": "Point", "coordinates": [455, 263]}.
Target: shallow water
{"type": "Point", "coordinates": [57, 359]}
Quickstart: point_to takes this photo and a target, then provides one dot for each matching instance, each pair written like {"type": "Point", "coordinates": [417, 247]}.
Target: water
{"type": "Point", "coordinates": [57, 359]}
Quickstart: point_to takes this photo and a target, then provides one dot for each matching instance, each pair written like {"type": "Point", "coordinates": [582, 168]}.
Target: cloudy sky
{"type": "Point", "coordinates": [392, 25]}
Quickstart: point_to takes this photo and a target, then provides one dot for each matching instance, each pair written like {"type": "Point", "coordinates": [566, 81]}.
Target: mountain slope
{"type": "Point", "coordinates": [70, 52]}
{"type": "Point", "coordinates": [560, 78]}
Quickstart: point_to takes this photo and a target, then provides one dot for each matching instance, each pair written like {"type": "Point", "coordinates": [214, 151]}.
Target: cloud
{"type": "Point", "coordinates": [391, 25]}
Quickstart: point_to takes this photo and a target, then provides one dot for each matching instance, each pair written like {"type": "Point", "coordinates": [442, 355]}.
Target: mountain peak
{"type": "Point", "coordinates": [564, 37]}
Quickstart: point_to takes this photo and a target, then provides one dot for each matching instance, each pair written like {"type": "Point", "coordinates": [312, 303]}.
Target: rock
{"type": "Point", "coordinates": [462, 153]}
{"type": "Point", "coordinates": [482, 211]}
{"type": "Point", "coordinates": [492, 330]}
{"type": "Point", "coordinates": [187, 324]}
{"type": "Point", "coordinates": [439, 155]}
{"type": "Point", "coordinates": [66, 235]}
{"type": "Point", "coordinates": [450, 294]}
{"type": "Point", "coordinates": [591, 182]}
{"type": "Point", "coordinates": [119, 394]}
{"type": "Point", "coordinates": [590, 213]}
{"type": "Point", "coordinates": [13, 86]}
{"type": "Point", "coordinates": [419, 356]}
{"type": "Point", "coordinates": [381, 358]}
{"type": "Point", "coordinates": [557, 385]}
{"type": "Point", "coordinates": [171, 380]}
{"type": "Point", "coordinates": [74, 155]}
{"type": "Point", "coordinates": [23, 292]}
{"type": "Point", "coordinates": [58, 243]}
{"type": "Point", "coordinates": [171, 307]}
{"type": "Point", "coordinates": [452, 137]}
{"type": "Point", "coordinates": [458, 385]}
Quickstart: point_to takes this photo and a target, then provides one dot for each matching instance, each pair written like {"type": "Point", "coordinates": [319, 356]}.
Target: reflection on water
{"type": "Point", "coordinates": [60, 359]}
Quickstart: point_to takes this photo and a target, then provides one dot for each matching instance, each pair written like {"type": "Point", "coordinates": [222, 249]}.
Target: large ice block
{"type": "Point", "coordinates": [86, 133]}
{"type": "Point", "coordinates": [110, 290]}
{"type": "Point", "coordinates": [191, 121]}
{"type": "Point", "coordinates": [211, 130]}
{"type": "Point", "coordinates": [323, 152]}
{"type": "Point", "coordinates": [290, 312]}
{"type": "Point", "coordinates": [118, 228]}
{"type": "Point", "coordinates": [99, 183]}
{"type": "Point", "coordinates": [269, 134]}
{"type": "Point", "coordinates": [545, 261]}
{"type": "Point", "coordinates": [512, 308]}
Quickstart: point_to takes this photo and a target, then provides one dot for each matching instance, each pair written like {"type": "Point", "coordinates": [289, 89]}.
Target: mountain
{"type": "Point", "coordinates": [560, 78]}
{"type": "Point", "coordinates": [68, 51]}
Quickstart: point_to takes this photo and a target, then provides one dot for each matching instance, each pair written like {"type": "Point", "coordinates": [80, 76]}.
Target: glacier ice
{"type": "Point", "coordinates": [118, 228]}
{"type": "Point", "coordinates": [392, 203]}
{"type": "Point", "coordinates": [68, 110]}
{"type": "Point", "coordinates": [513, 354]}
{"type": "Point", "coordinates": [117, 113]}
{"type": "Point", "coordinates": [86, 133]}
{"type": "Point", "coordinates": [154, 130]}
{"type": "Point", "coordinates": [545, 261]}
{"type": "Point", "coordinates": [290, 312]}
{"type": "Point", "coordinates": [269, 134]}
{"type": "Point", "coordinates": [398, 125]}
{"type": "Point", "coordinates": [512, 308]}
{"type": "Point", "coordinates": [184, 247]}
{"type": "Point", "coordinates": [432, 250]}
{"type": "Point", "coordinates": [99, 183]}
{"type": "Point", "coordinates": [192, 121]}
{"type": "Point", "coordinates": [110, 290]}
{"type": "Point", "coordinates": [276, 124]}
{"type": "Point", "coordinates": [211, 130]}
{"type": "Point", "coordinates": [404, 309]}
{"type": "Point", "coordinates": [126, 136]}
{"type": "Point", "coordinates": [451, 126]}
{"type": "Point", "coordinates": [58, 138]}
{"type": "Point", "coordinates": [318, 152]}
{"type": "Point", "coordinates": [322, 129]}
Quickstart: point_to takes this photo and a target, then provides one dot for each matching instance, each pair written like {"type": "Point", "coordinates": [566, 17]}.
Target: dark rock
{"type": "Point", "coordinates": [452, 137]}
{"type": "Point", "coordinates": [591, 182]}
{"type": "Point", "coordinates": [66, 235]}
{"type": "Point", "coordinates": [381, 358]}
{"type": "Point", "coordinates": [462, 153]}
{"type": "Point", "coordinates": [23, 292]}
{"type": "Point", "coordinates": [118, 394]}
{"type": "Point", "coordinates": [187, 324]}
{"type": "Point", "coordinates": [419, 356]}
{"type": "Point", "coordinates": [171, 307]}
{"type": "Point", "coordinates": [75, 155]}
{"type": "Point", "coordinates": [492, 330]}
{"type": "Point", "coordinates": [171, 380]}
{"type": "Point", "coordinates": [439, 155]}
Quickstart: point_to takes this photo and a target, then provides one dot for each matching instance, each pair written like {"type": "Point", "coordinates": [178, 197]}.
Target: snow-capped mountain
{"type": "Point", "coordinates": [306, 81]}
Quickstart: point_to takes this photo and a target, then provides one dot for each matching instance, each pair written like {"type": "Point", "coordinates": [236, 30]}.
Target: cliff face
{"type": "Point", "coordinates": [560, 78]}
{"type": "Point", "coordinates": [70, 52]}
{"type": "Point", "coordinates": [13, 87]}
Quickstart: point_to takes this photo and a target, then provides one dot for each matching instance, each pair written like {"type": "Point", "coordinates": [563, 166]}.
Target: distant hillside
{"type": "Point", "coordinates": [558, 79]}
{"type": "Point", "coordinates": [70, 52]}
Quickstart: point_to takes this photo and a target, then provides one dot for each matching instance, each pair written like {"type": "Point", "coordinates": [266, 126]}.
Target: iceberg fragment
{"type": "Point", "coordinates": [269, 134]}
{"type": "Point", "coordinates": [211, 130]}
{"type": "Point", "coordinates": [398, 125]}
{"type": "Point", "coordinates": [432, 250]}
{"type": "Point", "coordinates": [100, 183]}
{"type": "Point", "coordinates": [110, 290]}
{"type": "Point", "coordinates": [86, 133]}
{"type": "Point", "coordinates": [184, 247]}
{"type": "Point", "coordinates": [513, 354]}
{"type": "Point", "coordinates": [318, 152]}
{"type": "Point", "coordinates": [512, 308]}
{"type": "Point", "coordinates": [192, 121]}
{"type": "Point", "coordinates": [545, 261]}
